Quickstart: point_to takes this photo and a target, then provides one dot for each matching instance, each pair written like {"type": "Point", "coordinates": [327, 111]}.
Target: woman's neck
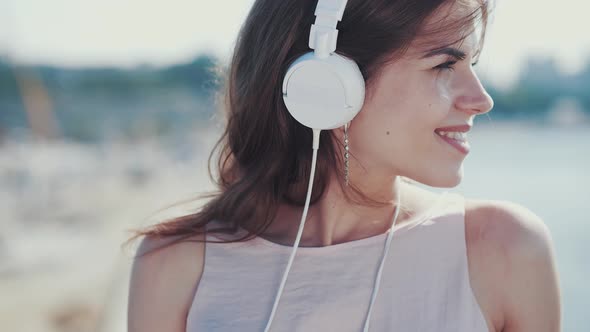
{"type": "Point", "coordinates": [332, 219]}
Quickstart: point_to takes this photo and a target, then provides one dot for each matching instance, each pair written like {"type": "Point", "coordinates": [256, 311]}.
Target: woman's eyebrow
{"type": "Point", "coordinates": [457, 54]}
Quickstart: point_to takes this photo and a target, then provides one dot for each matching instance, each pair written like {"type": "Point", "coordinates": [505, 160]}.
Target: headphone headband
{"type": "Point", "coordinates": [323, 34]}
{"type": "Point", "coordinates": [331, 8]}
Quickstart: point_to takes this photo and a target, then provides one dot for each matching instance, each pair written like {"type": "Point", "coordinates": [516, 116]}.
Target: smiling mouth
{"type": "Point", "coordinates": [457, 140]}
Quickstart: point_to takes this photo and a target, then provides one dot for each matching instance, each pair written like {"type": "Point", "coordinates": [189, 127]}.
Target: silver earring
{"type": "Point", "coordinates": [346, 153]}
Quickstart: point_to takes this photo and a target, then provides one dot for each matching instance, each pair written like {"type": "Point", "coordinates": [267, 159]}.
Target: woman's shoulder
{"type": "Point", "coordinates": [508, 226]}
{"type": "Point", "coordinates": [512, 265]}
{"type": "Point", "coordinates": [164, 278]}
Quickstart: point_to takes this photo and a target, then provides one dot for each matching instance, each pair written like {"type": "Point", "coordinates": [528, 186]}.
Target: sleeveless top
{"type": "Point", "coordinates": [425, 284]}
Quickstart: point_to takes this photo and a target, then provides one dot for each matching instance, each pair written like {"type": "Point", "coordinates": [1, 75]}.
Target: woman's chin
{"type": "Point", "coordinates": [441, 179]}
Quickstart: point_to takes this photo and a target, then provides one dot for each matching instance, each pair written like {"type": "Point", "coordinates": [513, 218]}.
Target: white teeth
{"type": "Point", "coordinates": [454, 135]}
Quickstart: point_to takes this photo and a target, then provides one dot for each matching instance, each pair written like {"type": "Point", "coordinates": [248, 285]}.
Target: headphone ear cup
{"type": "Point", "coordinates": [323, 93]}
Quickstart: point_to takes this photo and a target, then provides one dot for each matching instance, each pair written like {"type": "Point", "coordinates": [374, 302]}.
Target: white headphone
{"type": "Point", "coordinates": [322, 89]}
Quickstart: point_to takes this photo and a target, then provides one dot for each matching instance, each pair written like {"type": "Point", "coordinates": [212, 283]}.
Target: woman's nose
{"type": "Point", "coordinates": [475, 99]}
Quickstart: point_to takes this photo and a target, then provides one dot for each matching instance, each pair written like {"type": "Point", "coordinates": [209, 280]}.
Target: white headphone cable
{"type": "Point", "coordinates": [383, 258]}
{"type": "Point", "coordinates": [316, 141]}
{"type": "Point", "coordinates": [316, 145]}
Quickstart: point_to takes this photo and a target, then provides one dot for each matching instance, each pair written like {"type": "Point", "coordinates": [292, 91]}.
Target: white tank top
{"type": "Point", "coordinates": [425, 284]}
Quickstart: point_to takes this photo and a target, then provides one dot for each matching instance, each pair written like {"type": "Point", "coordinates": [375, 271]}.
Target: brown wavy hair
{"type": "Point", "coordinates": [264, 155]}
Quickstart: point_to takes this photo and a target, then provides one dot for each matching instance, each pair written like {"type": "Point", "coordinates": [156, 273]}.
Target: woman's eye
{"type": "Point", "coordinates": [449, 65]}
{"type": "Point", "coordinates": [446, 66]}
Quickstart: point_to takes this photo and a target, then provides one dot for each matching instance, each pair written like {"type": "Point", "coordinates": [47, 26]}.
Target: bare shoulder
{"type": "Point", "coordinates": [163, 282]}
{"type": "Point", "coordinates": [512, 266]}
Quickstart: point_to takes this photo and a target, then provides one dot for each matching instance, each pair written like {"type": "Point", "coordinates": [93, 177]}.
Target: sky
{"type": "Point", "coordinates": [132, 32]}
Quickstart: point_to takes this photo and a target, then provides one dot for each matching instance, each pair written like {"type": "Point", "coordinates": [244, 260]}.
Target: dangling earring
{"type": "Point", "coordinates": [346, 153]}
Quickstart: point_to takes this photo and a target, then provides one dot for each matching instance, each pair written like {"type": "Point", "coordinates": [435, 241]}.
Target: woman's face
{"type": "Point", "coordinates": [410, 98]}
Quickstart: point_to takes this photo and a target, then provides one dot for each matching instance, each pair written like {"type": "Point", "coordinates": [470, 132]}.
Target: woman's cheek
{"type": "Point", "coordinates": [443, 87]}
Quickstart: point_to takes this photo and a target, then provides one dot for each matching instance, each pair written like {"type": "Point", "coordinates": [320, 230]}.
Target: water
{"type": "Point", "coordinates": [66, 207]}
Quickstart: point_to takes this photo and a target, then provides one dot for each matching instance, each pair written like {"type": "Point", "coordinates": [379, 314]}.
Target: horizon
{"type": "Point", "coordinates": [105, 36]}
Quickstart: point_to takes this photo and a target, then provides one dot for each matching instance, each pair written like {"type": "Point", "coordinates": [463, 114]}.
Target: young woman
{"type": "Point", "coordinates": [454, 264]}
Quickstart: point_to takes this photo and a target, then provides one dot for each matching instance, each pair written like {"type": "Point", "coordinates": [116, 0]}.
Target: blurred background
{"type": "Point", "coordinates": [107, 114]}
